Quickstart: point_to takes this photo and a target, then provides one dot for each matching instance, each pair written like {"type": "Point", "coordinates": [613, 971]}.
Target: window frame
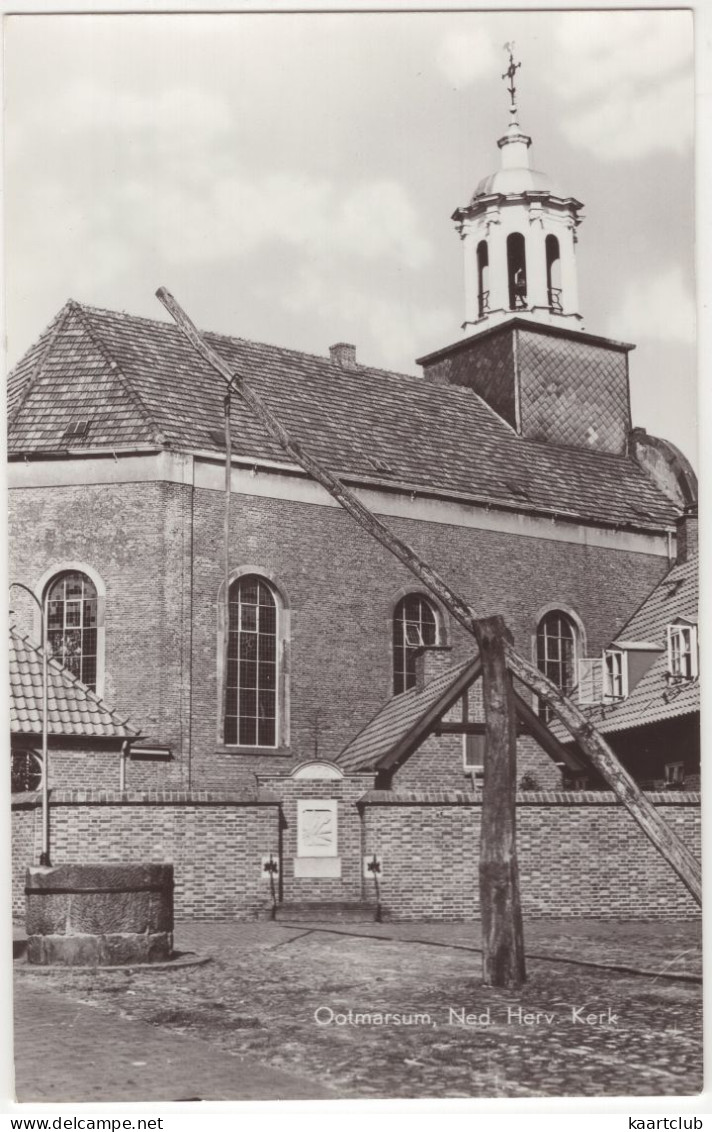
{"type": "Point", "coordinates": [578, 640]}
{"type": "Point", "coordinates": [282, 642]}
{"type": "Point", "coordinates": [682, 631]}
{"type": "Point", "coordinates": [41, 589]}
{"type": "Point", "coordinates": [615, 659]}
{"type": "Point", "coordinates": [405, 647]}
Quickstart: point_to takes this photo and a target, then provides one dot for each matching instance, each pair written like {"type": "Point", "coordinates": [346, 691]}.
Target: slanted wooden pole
{"type": "Point", "coordinates": [603, 759]}
{"type": "Point", "coordinates": [503, 962]}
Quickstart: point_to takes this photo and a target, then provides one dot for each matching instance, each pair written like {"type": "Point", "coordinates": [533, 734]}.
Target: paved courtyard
{"type": "Point", "coordinates": [302, 1011]}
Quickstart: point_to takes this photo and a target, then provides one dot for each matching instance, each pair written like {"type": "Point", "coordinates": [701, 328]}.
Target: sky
{"type": "Point", "coordinates": [291, 177]}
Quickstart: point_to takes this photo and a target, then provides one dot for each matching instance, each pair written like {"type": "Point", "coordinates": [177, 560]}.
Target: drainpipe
{"type": "Point", "coordinates": [122, 765]}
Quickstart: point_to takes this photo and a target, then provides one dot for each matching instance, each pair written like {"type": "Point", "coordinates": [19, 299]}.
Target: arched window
{"type": "Point", "coordinates": [556, 653]}
{"type": "Point", "coordinates": [517, 271]}
{"type": "Point", "coordinates": [252, 665]}
{"type": "Point", "coordinates": [414, 624]}
{"type": "Point", "coordinates": [72, 620]}
{"type": "Point", "coordinates": [482, 279]}
{"type": "Point", "coordinates": [553, 274]}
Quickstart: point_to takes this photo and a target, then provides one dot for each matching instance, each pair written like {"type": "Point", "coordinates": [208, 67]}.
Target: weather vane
{"type": "Point", "coordinates": [510, 74]}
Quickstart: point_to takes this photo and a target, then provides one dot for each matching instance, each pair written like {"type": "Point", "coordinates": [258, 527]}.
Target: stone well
{"type": "Point", "coordinates": [99, 915]}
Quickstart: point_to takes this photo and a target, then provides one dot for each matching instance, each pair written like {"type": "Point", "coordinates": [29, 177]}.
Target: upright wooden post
{"type": "Point", "coordinates": [502, 932]}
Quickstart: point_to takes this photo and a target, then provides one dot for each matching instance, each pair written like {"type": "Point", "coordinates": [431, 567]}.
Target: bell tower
{"type": "Point", "coordinates": [519, 238]}
{"type": "Point", "coordinates": [524, 350]}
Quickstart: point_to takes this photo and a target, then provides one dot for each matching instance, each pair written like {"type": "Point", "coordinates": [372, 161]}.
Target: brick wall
{"type": "Point", "coordinates": [76, 769]}
{"type": "Point", "coordinates": [215, 842]}
{"type": "Point", "coordinates": [579, 855]}
{"type": "Point", "coordinates": [438, 764]}
{"type": "Point", "coordinates": [158, 548]}
{"type": "Point", "coordinates": [341, 587]}
{"type": "Point", "coordinates": [136, 536]}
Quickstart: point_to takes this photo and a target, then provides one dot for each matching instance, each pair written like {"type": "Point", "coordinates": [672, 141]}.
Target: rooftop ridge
{"type": "Point", "coordinates": [239, 340]}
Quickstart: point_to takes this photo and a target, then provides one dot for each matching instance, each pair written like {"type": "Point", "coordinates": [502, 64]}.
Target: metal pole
{"type": "Point", "coordinates": [226, 553]}
{"type": "Point", "coordinates": [42, 606]}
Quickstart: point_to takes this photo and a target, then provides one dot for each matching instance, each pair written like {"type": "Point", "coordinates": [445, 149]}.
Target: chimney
{"type": "Point", "coordinates": [687, 534]}
{"type": "Point", "coordinates": [430, 661]}
{"type": "Point", "coordinates": [343, 354]}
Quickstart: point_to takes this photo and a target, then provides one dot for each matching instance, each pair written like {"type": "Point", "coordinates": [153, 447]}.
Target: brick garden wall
{"type": "Point", "coordinates": [579, 855]}
{"type": "Point", "coordinates": [215, 841]}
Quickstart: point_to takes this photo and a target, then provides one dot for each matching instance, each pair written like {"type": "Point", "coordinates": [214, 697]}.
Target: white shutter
{"type": "Point", "coordinates": [590, 680]}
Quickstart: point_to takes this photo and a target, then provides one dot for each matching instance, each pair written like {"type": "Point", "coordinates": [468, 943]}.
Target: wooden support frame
{"type": "Point", "coordinates": [503, 963]}
{"type": "Point", "coordinates": [544, 737]}
{"type": "Point", "coordinates": [593, 746]}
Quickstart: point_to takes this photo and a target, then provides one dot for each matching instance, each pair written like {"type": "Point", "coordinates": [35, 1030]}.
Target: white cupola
{"type": "Point", "coordinates": [519, 238]}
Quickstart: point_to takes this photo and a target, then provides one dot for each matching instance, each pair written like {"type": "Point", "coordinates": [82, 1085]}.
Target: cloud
{"type": "Point", "coordinates": [466, 57]}
{"type": "Point", "coordinates": [661, 309]}
{"type": "Point", "coordinates": [86, 106]}
{"type": "Point", "coordinates": [170, 173]}
{"type": "Point", "coordinates": [235, 215]}
{"type": "Point", "coordinates": [397, 331]}
{"type": "Point", "coordinates": [627, 78]}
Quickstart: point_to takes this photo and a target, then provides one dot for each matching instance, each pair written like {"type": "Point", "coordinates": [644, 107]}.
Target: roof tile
{"type": "Point", "coordinates": [73, 709]}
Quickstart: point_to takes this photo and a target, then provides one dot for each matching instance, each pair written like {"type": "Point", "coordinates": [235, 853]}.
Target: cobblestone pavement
{"type": "Point", "coordinates": [571, 1031]}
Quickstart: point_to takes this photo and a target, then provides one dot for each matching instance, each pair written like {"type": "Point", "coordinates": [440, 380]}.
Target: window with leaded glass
{"type": "Point", "coordinates": [251, 700]}
{"type": "Point", "coordinates": [72, 625]}
{"type": "Point", "coordinates": [414, 625]}
{"type": "Point", "coordinates": [556, 654]}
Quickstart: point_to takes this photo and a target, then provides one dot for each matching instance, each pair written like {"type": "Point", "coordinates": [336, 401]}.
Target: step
{"type": "Point", "coordinates": [326, 911]}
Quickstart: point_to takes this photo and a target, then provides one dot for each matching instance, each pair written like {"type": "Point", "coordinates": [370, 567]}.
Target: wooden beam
{"type": "Point", "coordinates": [601, 757]}
{"type": "Point", "coordinates": [598, 752]}
{"type": "Point", "coordinates": [469, 728]}
{"type": "Point", "coordinates": [503, 962]}
{"type": "Point", "coordinates": [544, 737]}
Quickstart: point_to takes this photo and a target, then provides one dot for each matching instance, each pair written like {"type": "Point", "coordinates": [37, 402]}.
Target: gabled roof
{"type": "Point", "coordinates": [406, 720]}
{"type": "Point", "coordinates": [655, 698]}
{"type": "Point", "coordinates": [138, 382]}
{"type": "Point", "coordinates": [73, 709]}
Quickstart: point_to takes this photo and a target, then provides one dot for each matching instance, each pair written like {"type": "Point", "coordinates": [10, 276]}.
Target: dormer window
{"type": "Point", "coordinates": [615, 675]}
{"type": "Point", "coordinates": [682, 651]}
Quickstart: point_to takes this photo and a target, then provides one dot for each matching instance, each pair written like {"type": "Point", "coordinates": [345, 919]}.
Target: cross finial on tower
{"type": "Point", "coordinates": [510, 74]}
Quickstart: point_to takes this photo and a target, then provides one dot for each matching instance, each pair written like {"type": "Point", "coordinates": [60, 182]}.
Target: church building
{"type": "Point", "coordinates": [329, 684]}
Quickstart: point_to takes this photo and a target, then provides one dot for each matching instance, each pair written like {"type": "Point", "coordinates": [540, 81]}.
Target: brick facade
{"type": "Point", "coordinates": [158, 549]}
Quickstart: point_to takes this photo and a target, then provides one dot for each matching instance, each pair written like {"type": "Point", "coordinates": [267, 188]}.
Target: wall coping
{"type": "Point", "coordinates": [533, 798]}
{"type": "Point", "coordinates": [148, 798]}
